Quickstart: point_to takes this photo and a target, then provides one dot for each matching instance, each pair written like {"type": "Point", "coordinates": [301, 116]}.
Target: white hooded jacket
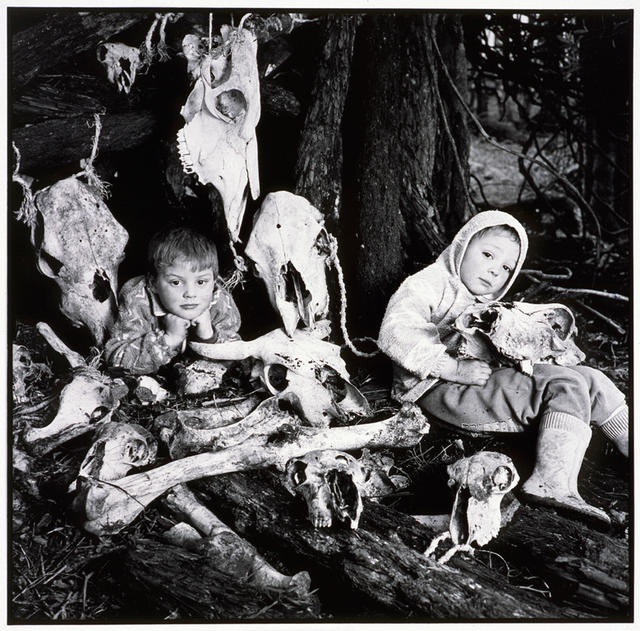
{"type": "Point", "coordinates": [417, 328]}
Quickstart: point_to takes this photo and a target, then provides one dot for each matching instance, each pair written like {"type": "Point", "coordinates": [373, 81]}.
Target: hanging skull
{"type": "Point", "coordinates": [330, 483]}
{"type": "Point", "coordinates": [290, 249]}
{"type": "Point", "coordinates": [121, 63]}
{"type": "Point", "coordinates": [481, 481]}
{"type": "Point", "coordinates": [118, 448]}
{"type": "Point", "coordinates": [519, 333]}
{"type": "Point", "coordinates": [80, 246]}
{"type": "Point", "coordinates": [88, 401]}
{"type": "Point", "coordinates": [218, 142]}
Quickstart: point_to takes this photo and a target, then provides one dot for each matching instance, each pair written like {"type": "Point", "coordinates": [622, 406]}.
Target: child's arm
{"type": "Point", "coordinates": [138, 343]}
{"type": "Point", "coordinates": [411, 339]}
{"type": "Point", "coordinates": [221, 322]}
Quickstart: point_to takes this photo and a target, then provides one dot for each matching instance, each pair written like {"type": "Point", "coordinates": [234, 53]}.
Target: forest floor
{"type": "Point", "coordinates": [60, 573]}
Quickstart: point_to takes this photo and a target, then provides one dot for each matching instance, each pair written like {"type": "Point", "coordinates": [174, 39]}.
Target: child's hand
{"type": "Point", "coordinates": [176, 329]}
{"type": "Point", "coordinates": [203, 326]}
{"type": "Point", "coordinates": [472, 372]}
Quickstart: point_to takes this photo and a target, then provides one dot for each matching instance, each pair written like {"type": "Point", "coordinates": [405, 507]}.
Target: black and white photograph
{"type": "Point", "coordinates": [318, 315]}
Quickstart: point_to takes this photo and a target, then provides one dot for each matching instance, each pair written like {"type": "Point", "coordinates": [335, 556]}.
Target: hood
{"type": "Point", "coordinates": [452, 256]}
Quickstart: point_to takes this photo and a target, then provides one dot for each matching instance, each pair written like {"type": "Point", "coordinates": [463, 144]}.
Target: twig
{"type": "Point", "coordinates": [20, 411]}
{"type": "Point", "coordinates": [603, 317]}
{"type": "Point", "coordinates": [591, 292]}
{"type": "Point", "coordinates": [537, 274]}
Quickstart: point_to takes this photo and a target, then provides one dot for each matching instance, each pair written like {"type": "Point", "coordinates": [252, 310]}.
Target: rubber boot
{"type": "Point", "coordinates": [562, 443]}
{"type": "Point", "coordinates": [616, 429]}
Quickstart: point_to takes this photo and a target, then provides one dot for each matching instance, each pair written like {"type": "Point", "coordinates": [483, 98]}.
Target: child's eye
{"type": "Point", "coordinates": [203, 281]}
{"type": "Point", "coordinates": [506, 268]}
{"type": "Point", "coordinates": [174, 282]}
{"type": "Point", "coordinates": [487, 254]}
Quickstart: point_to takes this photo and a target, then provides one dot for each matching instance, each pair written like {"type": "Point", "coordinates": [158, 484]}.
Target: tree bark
{"type": "Point", "coordinates": [62, 141]}
{"type": "Point", "coordinates": [404, 183]}
{"type": "Point", "coordinates": [381, 564]}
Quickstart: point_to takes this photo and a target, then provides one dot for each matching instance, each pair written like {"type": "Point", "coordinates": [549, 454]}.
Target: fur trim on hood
{"type": "Point", "coordinates": [452, 256]}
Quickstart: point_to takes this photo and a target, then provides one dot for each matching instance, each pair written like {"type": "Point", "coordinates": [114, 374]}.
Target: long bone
{"type": "Point", "coordinates": [227, 550]}
{"type": "Point", "coordinates": [109, 507]}
{"type": "Point", "coordinates": [86, 403]}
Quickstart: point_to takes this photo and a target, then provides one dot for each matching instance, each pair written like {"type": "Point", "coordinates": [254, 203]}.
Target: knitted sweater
{"type": "Point", "coordinates": [417, 329]}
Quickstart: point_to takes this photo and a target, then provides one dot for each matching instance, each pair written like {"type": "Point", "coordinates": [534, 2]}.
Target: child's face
{"type": "Point", "coordinates": [184, 290]}
{"type": "Point", "coordinates": [488, 263]}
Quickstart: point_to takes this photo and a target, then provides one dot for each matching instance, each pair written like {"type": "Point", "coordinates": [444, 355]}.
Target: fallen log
{"type": "Point", "coordinates": [380, 565]}
{"type": "Point", "coordinates": [61, 36]}
{"type": "Point", "coordinates": [62, 141]}
{"type": "Point", "coordinates": [169, 579]}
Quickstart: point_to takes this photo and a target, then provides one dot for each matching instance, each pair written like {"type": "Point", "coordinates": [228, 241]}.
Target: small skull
{"type": "Point", "coordinates": [121, 63]}
{"type": "Point", "coordinates": [481, 481]}
{"type": "Point", "coordinates": [289, 247]}
{"type": "Point", "coordinates": [80, 246]}
{"type": "Point", "coordinates": [330, 482]}
{"type": "Point", "coordinates": [85, 403]}
{"type": "Point", "coordinates": [118, 448]}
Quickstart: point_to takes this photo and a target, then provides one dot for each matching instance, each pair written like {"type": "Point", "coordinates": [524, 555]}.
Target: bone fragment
{"type": "Point", "coordinates": [110, 507]}
{"type": "Point", "coordinates": [74, 359]}
{"type": "Point", "coordinates": [227, 550]}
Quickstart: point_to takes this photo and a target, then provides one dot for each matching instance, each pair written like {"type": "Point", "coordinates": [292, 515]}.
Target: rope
{"type": "Point", "coordinates": [28, 212]}
{"type": "Point", "coordinates": [333, 258]}
{"type": "Point", "coordinates": [87, 165]}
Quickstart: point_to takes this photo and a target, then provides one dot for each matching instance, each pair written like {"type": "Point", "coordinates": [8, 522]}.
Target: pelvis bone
{"type": "Point", "coordinates": [121, 63]}
{"type": "Point", "coordinates": [481, 482]}
{"type": "Point", "coordinates": [309, 371]}
{"type": "Point", "coordinates": [520, 334]}
{"type": "Point", "coordinates": [289, 247]}
{"type": "Point", "coordinates": [80, 246]}
{"type": "Point", "coordinates": [218, 142]}
{"type": "Point", "coordinates": [330, 482]}
{"type": "Point", "coordinates": [86, 403]}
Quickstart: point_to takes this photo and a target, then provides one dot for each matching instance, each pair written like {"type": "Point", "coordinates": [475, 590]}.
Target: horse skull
{"type": "Point", "coordinates": [121, 63]}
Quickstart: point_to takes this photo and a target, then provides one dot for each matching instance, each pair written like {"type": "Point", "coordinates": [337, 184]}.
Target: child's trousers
{"type": "Point", "coordinates": [510, 401]}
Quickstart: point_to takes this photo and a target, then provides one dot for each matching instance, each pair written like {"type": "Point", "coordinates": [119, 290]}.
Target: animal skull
{"type": "Point", "coordinates": [481, 481]}
{"type": "Point", "coordinates": [218, 142]}
{"type": "Point", "coordinates": [289, 247]}
{"type": "Point", "coordinates": [118, 448]}
{"type": "Point", "coordinates": [80, 246]}
{"type": "Point", "coordinates": [121, 63]}
{"type": "Point", "coordinates": [85, 403]}
{"type": "Point", "coordinates": [330, 482]}
{"type": "Point", "coordinates": [519, 333]}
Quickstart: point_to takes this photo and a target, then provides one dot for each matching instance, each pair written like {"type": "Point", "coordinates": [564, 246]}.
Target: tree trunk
{"type": "Point", "coordinates": [404, 187]}
{"type": "Point", "coordinates": [380, 565]}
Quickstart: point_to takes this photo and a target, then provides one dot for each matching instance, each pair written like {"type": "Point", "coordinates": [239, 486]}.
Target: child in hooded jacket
{"type": "Point", "coordinates": [417, 333]}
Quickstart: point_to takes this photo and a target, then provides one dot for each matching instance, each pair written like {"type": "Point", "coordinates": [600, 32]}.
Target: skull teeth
{"type": "Point", "coordinates": [185, 155]}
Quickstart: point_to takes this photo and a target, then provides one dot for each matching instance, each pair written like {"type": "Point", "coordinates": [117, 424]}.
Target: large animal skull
{"type": "Point", "coordinates": [330, 482]}
{"type": "Point", "coordinates": [85, 403]}
{"type": "Point", "coordinates": [80, 247]}
{"type": "Point", "coordinates": [481, 481]}
{"type": "Point", "coordinates": [289, 247]}
{"type": "Point", "coordinates": [218, 142]}
{"type": "Point", "coordinates": [519, 333]}
{"type": "Point", "coordinates": [121, 63]}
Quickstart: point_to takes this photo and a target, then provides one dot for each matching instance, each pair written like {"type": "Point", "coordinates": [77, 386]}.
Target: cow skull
{"type": "Point", "coordinates": [121, 63]}
{"type": "Point", "coordinates": [85, 403]}
{"type": "Point", "coordinates": [80, 246]}
{"type": "Point", "coordinates": [330, 482]}
{"type": "Point", "coordinates": [289, 247]}
{"type": "Point", "coordinates": [519, 333]}
{"type": "Point", "coordinates": [481, 482]}
{"type": "Point", "coordinates": [218, 142]}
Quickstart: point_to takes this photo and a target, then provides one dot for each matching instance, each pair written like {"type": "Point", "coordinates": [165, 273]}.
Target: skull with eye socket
{"type": "Point", "coordinates": [330, 482]}
{"type": "Point", "coordinates": [86, 403]}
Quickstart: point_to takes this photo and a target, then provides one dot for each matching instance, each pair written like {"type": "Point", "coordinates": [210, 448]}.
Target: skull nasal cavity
{"type": "Point", "coordinates": [231, 103]}
{"type": "Point", "coordinates": [101, 286]}
{"type": "Point", "coordinates": [277, 376]}
{"type": "Point", "coordinates": [294, 285]}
